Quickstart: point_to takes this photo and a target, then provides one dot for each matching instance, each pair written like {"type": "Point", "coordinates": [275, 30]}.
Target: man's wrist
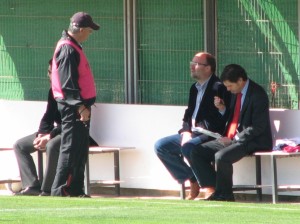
{"type": "Point", "coordinates": [48, 137]}
{"type": "Point", "coordinates": [81, 109]}
{"type": "Point", "coordinates": [222, 111]}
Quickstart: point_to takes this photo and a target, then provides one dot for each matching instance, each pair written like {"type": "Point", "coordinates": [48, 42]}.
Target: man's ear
{"type": "Point", "coordinates": [240, 80]}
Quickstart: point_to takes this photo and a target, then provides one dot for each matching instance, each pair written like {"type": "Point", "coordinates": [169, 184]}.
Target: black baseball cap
{"type": "Point", "coordinates": [82, 19]}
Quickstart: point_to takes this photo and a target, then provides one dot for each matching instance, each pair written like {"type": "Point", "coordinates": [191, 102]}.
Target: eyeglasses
{"type": "Point", "coordinates": [192, 63]}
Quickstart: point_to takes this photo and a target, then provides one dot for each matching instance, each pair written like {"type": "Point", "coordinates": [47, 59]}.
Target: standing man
{"type": "Point", "coordinates": [201, 112]}
{"type": "Point", "coordinates": [46, 139]}
{"type": "Point", "coordinates": [248, 130]}
{"type": "Point", "coordinates": [74, 89]}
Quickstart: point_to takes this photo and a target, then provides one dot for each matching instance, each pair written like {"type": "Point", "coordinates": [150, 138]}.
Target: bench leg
{"type": "Point", "coordinates": [258, 177]}
{"type": "Point", "coordinates": [40, 166]}
{"type": "Point", "coordinates": [182, 191]}
{"type": "Point", "coordinates": [87, 177]}
{"type": "Point", "coordinates": [117, 171]}
{"type": "Point", "coordinates": [274, 179]}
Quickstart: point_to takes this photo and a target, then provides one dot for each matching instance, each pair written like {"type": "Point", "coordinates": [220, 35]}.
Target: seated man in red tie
{"type": "Point", "coordinates": [248, 130]}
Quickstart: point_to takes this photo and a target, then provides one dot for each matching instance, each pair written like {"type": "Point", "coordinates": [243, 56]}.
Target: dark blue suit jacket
{"type": "Point", "coordinates": [208, 115]}
{"type": "Point", "coordinates": [254, 129]}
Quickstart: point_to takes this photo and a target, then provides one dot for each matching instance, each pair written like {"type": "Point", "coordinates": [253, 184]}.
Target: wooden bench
{"type": "Point", "coordinates": [116, 180]}
{"type": "Point", "coordinates": [92, 150]}
{"type": "Point", "coordinates": [258, 186]}
{"type": "Point", "coordinates": [273, 156]}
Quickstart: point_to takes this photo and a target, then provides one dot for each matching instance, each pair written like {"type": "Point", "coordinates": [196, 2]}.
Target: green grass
{"type": "Point", "coordinates": [42, 210]}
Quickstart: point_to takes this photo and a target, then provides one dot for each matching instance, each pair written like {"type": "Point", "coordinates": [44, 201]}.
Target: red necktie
{"type": "Point", "coordinates": [235, 119]}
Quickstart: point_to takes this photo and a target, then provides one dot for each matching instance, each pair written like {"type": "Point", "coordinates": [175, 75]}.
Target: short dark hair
{"type": "Point", "coordinates": [211, 61]}
{"type": "Point", "coordinates": [233, 73]}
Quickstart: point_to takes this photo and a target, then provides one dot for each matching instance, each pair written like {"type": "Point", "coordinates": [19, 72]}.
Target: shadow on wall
{"type": "Point", "coordinates": [10, 86]}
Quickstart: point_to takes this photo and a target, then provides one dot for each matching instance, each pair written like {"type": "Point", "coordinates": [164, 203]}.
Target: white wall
{"type": "Point", "coordinates": [18, 119]}
{"type": "Point", "coordinates": [140, 126]}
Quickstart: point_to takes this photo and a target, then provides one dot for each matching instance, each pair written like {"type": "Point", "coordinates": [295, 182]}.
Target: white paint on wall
{"type": "Point", "coordinates": [140, 126]}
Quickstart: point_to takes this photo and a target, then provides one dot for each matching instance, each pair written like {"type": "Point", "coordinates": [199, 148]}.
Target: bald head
{"type": "Point", "coordinates": [210, 59]}
{"type": "Point", "coordinates": [202, 66]}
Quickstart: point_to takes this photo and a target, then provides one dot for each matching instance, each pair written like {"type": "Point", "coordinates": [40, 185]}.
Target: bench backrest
{"type": "Point", "coordinates": [285, 123]}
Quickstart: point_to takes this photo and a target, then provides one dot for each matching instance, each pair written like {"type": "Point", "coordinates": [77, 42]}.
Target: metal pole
{"type": "Point", "coordinates": [210, 26]}
{"type": "Point", "coordinates": [130, 52]}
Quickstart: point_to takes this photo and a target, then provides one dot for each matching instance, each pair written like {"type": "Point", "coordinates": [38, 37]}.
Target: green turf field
{"type": "Point", "coordinates": [42, 210]}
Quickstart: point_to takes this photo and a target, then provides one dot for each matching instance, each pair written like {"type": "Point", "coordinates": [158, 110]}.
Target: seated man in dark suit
{"type": "Point", "coordinates": [201, 112]}
{"type": "Point", "coordinates": [248, 130]}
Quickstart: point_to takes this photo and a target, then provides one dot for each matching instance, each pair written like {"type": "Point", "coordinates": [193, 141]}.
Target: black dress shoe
{"type": "Point", "coordinates": [29, 191]}
{"type": "Point", "coordinates": [44, 193]}
{"type": "Point", "coordinates": [221, 197]}
{"type": "Point", "coordinates": [83, 196]}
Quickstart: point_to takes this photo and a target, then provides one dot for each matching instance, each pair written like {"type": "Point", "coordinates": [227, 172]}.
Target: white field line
{"type": "Point", "coordinates": [171, 203]}
{"type": "Point", "coordinates": [270, 207]}
{"type": "Point", "coordinates": [64, 209]}
{"type": "Point", "coordinates": [56, 209]}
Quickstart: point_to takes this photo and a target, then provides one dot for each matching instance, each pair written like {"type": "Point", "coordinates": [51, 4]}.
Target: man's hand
{"type": "Point", "coordinates": [186, 136]}
{"type": "Point", "coordinates": [219, 103]}
{"type": "Point", "coordinates": [84, 113]}
{"type": "Point", "coordinates": [225, 141]}
{"type": "Point", "coordinates": [40, 141]}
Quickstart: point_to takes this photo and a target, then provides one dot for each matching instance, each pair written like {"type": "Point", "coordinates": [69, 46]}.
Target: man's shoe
{"type": "Point", "coordinates": [84, 196]}
{"type": "Point", "coordinates": [194, 191]}
{"type": "Point", "coordinates": [44, 193]}
{"type": "Point", "coordinates": [29, 191]}
{"type": "Point", "coordinates": [206, 193]}
{"type": "Point", "coordinates": [221, 197]}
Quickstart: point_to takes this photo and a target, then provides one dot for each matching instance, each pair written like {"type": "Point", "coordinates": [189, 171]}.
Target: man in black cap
{"type": "Point", "coordinates": [74, 90]}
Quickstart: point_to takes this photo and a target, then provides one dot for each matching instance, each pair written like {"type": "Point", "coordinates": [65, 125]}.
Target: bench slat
{"type": "Point", "coordinates": [248, 187]}
{"type": "Point", "coordinates": [277, 154]}
{"type": "Point", "coordinates": [104, 149]}
{"type": "Point", "coordinates": [105, 182]}
{"type": "Point", "coordinates": [9, 181]}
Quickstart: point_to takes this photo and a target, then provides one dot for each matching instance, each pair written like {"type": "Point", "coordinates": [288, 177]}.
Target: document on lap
{"type": "Point", "coordinates": [206, 132]}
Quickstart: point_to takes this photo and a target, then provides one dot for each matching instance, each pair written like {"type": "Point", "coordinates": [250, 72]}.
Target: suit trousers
{"type": "Point", "coordinates": [23, 149]}
{"type": "Point", "coordinates": [69, 178]}
{"type": "Point", "coordinates": [220, 175]}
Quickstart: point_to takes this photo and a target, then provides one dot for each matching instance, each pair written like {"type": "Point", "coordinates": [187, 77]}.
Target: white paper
{"type": "Point", "coordinates": [206, 132]}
